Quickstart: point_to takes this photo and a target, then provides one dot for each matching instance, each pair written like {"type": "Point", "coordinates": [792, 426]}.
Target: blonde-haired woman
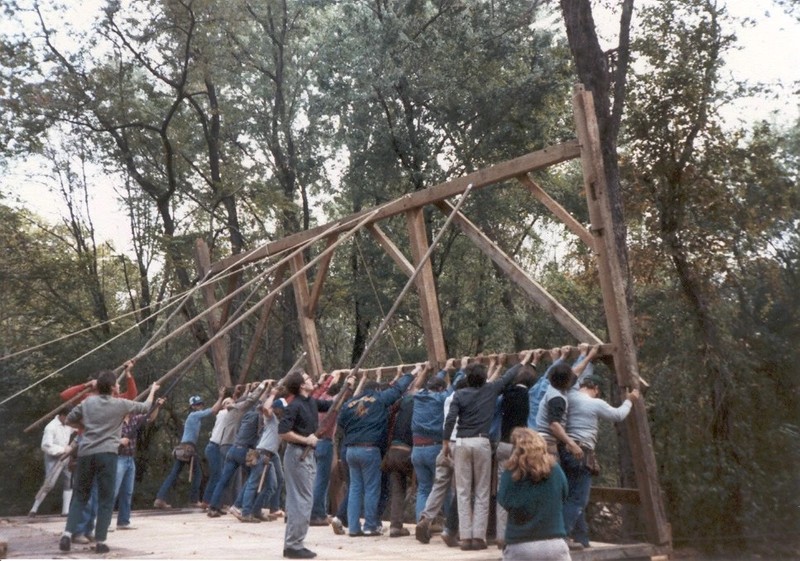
{"type": "Point", "coordinates": [533, 490]}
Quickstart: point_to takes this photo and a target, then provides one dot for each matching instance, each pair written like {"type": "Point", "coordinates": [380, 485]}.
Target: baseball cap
{"type": "Point", "coordinates": [279, 404]}
{"type": "Point", "coordinates": [592, 380]}
{"type": "Point", "coordinates": [196, 400]}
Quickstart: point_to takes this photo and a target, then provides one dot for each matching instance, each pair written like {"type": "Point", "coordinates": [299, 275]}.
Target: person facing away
{"type": "Point", "coordinates": [126, 463]}
{"type": "Point", "coordinates": [473, 408]}
{"type": "Point", "coordinates": [532, 490]}
{"type": "Point", "coordinates": [100, 416]}
{"type": "Point", "coordinates": [364, 419]}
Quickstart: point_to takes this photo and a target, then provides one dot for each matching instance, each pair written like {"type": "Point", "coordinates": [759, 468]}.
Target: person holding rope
{"type": "Point", "coordinates": [100, 416]}
{"type": "Point", "coordinates": [186, 451]}
{"type": "Point", "coordinates": [298, 429]}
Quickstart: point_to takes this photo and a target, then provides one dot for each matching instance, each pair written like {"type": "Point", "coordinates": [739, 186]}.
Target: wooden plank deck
{"type": "Point", "coordinates": [190, 534]}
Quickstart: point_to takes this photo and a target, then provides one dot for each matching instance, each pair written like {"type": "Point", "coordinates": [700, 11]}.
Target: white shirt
{"type": "Point", "coordinates": [56, 437]}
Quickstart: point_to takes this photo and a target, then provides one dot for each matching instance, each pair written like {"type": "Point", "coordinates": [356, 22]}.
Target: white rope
{"type": "Point", "coordinates": [148, 346]}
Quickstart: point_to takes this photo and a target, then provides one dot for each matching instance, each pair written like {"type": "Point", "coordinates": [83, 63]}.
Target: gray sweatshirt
{"type": "Point", "coordinates": [585, 411]}
{"type": "Point", "coordinates": [102, 417]}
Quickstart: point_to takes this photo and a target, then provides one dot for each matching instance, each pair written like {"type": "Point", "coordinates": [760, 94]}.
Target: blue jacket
{"type": "Point", "coordinates": [428, 418]}
{"type": "Point", "coordinates": [365, 418]}
{"type": "Point", "coordinates": [536, 393]}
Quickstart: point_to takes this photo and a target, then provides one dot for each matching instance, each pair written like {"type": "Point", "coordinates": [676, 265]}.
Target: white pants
{"type": "Point", "coordinates": [544, 550]}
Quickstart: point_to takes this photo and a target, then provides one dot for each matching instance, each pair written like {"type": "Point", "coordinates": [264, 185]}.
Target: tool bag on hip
{"type": "Point", "coordinates": [184, 452]}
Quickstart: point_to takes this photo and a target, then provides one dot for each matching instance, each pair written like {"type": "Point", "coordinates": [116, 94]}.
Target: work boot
{"type": "Point", "coordinates": [423, 530]}
{"type": "Point", "coordinates": [64, 543]}
{"type": "Point", "coordinates": [450, 539]}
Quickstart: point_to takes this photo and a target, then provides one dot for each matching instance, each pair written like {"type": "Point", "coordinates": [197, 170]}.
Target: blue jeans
{"type": "Point", "coordinates": [365, 487]}
{"type": "Point", "coordinates": [233, 461]}
{"type": "Point", "coordinates": [94, 473]}
{"type": "Point", "coordinates": [123, 488]}
{"type": "Point", "coordinates": [341, 511]}
{"type": "Point", "coordinates": [214, 459]}
{"type": "Point", "coordinates": [250, 492]}
{"type": "Point", "coordinates": [275, 501]}
{"type": "Point", "coordinates": [172, 478]}
{"type": "Point", "coordinates": [579, 481]}
{"type": "Point", "coordinates": [271, 489]}
{"type": "Point", "coordinates": [324, 454]}
{"type": "Point", "coordinates": [424, 460]}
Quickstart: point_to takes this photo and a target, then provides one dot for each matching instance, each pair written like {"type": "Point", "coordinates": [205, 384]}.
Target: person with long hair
{"type": "Point", "coordinates": [533, 490]}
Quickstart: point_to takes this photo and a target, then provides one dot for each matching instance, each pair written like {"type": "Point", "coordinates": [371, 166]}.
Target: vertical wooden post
{"type": "Point", "coordinates": [426, 288]}
{"type": "Point", "coordinates": [308, 328]}
{"type": "Point", "coordinates": [220, 347]}
{"type": "Point", "coordinates": [620, 329]}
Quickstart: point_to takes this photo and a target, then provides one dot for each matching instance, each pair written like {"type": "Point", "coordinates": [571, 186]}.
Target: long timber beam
{"type": "Point", "coordinates": [483, 178]}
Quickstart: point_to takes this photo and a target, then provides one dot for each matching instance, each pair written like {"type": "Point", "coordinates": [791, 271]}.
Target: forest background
{"type": "Point", "coordinates": [241, 122]}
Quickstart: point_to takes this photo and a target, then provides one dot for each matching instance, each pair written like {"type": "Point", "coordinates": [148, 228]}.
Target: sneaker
{"type": "Point", "coordinates": [249, 518]}
{"type": "Point", "coordinates": [126, 527]}
{"type": "Point", "coordinates": [261, 516]}
{"type": "Point", "coordinates": [80, 538]}
{"type": "Point", "coordinates": [478, 544]}
{"type": "Point", "coordinates": [214, 513]}
{"type": "Point", "coordinates": [358, 534]}
{"type": "Point", "coordinates": [32, 514]}
{"type": "Point", "coordinates": [299, 553]}
{"type": "Point", "coordinates": [101, 547]}
{"type": "Point", "coordinates": [450, 539]}
{"type": "Point", "coordinates": [319, 522]}
{"type": "Point", "coordinates": [161, 504]}
{"type": "Point", "coordinates": [112, 529]}
{"type": "Point", "coordinates": [337, 526]}
{"type": "Point", "coordinates": [64, 543]}
{"type": "Point", "coordinates": [278, 513]}
{"type": "Point", "coordinates": [375, 532]}
{"type": "Point", "coordinates": [398, 532]}
{"type": "Point", "coordinates": [423, 530]}
{"type": "Point", "coordinates": [235, 512]}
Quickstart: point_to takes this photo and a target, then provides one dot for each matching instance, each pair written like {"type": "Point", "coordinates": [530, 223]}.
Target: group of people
{"type": "Point", "coordinates": [447, 433]}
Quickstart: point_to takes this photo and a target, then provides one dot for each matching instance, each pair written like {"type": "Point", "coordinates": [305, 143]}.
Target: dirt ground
{"type": "Point", "coordinates": [190, 534]}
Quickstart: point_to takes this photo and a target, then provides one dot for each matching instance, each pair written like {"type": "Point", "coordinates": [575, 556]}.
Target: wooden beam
{"type": "Point", "coordinates": [426, 287]}
{"type": "Point", "coordinates": [534, 290]}
{"type": "Point", "coordinates": [480, 179]}
{"type": "Point", "coordinates": [620, 329]}
{"type": "Point", "coordinates": [220, 347]}
{"type": "Point", "coordinates": [319, 278]}
{"type": "Point", "coordinates": [616, 495]}
{"type": "Point", "coordinates": [308, 328]}
{"type": "Point", "coordinates": [559, 211]}
{"type": "Point", "coordinates": [391, 249]}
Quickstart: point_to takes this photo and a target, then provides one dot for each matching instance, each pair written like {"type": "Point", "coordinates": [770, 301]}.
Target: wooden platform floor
{"type": "Point", "coordinates": [190, 534]}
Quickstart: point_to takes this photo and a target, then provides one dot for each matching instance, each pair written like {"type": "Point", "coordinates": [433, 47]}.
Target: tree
{"type": "Point", "coordinates": [715, 200]}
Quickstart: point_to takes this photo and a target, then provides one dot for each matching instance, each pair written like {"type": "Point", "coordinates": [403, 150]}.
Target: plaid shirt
{"type": "Point", "coordinates": [130, 430]}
